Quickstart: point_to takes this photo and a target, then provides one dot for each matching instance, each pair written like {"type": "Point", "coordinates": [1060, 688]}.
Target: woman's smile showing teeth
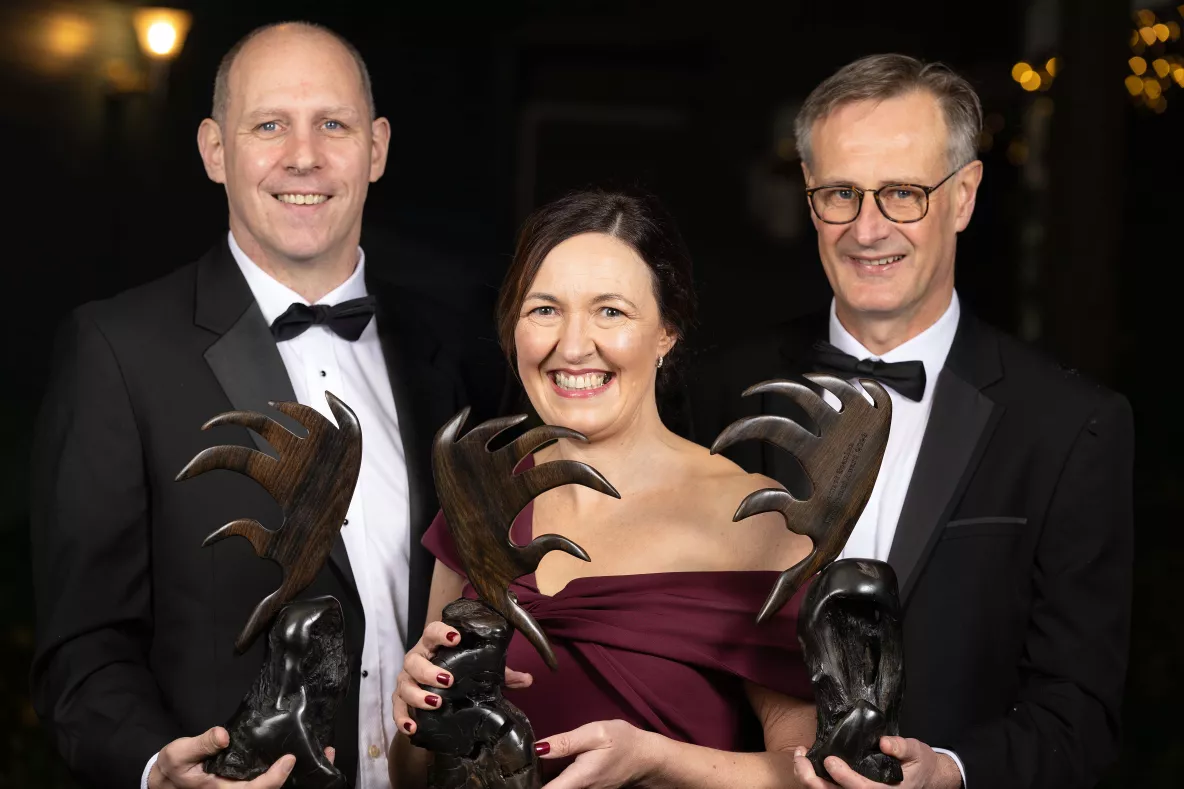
{"type": "Point", "coordinates": [580, 383]}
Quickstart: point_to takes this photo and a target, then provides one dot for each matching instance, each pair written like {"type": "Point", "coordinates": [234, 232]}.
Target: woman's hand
{"type": "Point", "coordinates": [609, 754]}
{"type": "Point", "coordinates": [418, 669]}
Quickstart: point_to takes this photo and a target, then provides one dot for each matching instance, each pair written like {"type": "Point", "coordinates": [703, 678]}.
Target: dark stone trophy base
{"type": "Point", "coordinates": [478, 738]}
{"type": "Point", "coordinates": [291, 706]}
{"type": "Point", "coordinates": [850, 631]}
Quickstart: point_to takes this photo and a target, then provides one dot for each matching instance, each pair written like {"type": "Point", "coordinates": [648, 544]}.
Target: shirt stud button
{"type": "Point", "coordinates": [374, 751]}
{"type": "Point", "coordinates": [365, 673]}
{"type": "Point", "coordinates": [323, 373]}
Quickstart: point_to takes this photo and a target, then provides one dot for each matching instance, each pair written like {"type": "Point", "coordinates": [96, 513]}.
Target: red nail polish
{"type": "Point", "coordinates": [432, 700]}
{"type": "Point", "coordinates": [444, 679]}
{"type": "Point", "coordinates": [452, 637]}
{"type": "Point", "coordinates": [407, 726]}
{"type": "Point", "coordinates": [542, 748]}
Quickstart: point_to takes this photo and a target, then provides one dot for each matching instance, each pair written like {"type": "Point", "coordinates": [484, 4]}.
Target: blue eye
{"type": "Point", "coordinates": [332, 125]}
{"type": "Point", "coordinates": [268, 126]}
{"type": "Point", "coordinates": [845, 194]}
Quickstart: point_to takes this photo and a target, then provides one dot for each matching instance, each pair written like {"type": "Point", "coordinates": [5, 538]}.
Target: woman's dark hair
{"type": "Point", "coordinates": [637, 219]}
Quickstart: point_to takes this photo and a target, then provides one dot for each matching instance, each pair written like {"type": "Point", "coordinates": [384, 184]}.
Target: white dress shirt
{"type": "Point", "coordinates": [377, 526]}
{"type": "Point", "coordinates": [873, 533]}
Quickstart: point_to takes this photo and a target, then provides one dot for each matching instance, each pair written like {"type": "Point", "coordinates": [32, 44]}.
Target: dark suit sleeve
{"type": "Point", "coordinates": [1063, 730]}
{"type": "Point", "coordinates": [91, 683]}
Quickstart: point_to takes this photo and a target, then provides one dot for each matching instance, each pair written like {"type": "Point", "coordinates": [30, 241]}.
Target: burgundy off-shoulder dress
{"type": "Point", "coordinates": [667, 652]}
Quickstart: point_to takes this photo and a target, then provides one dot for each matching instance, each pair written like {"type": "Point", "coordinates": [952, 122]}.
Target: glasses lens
{"type": "Point", "coordinates": [903, 203]}
{"type": "Point", "coordinates": [836, 203]}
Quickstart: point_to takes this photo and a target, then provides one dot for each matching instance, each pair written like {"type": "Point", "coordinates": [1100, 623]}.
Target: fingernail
{"type": "Point", "coordinates": [542, 748]}
{"type": "Point", "coordinates": [407, 726]}
{"type": "Point", "coordinates": [432, 700]}
{"type": "Point", "coordinates": [452, 637]}
{"type": "Point", "coordinates": [444, 679]}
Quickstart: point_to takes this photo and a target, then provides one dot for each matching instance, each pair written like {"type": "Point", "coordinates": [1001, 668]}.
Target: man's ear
{"type": "Point", "coordinates": [213, 152]}
{"type": "Point", "coordinates": [966, 193]}
{"type": "Point", "coordinates": [380, 143]}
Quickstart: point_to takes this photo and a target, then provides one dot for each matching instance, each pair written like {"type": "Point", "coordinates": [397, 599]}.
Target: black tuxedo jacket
{"type": "Point", "coordinates": [1013, 550]}
{"type": "Point", "coordinates": [135, 620]}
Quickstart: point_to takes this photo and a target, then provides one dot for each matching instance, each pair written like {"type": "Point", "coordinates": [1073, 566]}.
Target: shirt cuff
{"type": "Point", "coordinates": [152, 761]}
{"type": "Point", "coordinates": [952, 755]}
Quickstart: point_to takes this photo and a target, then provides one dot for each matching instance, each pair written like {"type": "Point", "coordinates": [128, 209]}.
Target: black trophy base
{"type": "Point", "coordinates": [479, 740]}
{"type": "Point", "coordinates": [291, 706]}
{"type": "Point", "coordinates": [850, 631]}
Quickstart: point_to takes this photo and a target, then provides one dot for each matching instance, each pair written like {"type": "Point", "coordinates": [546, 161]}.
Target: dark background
{"type": "Point", "coordinates": [499, 106]}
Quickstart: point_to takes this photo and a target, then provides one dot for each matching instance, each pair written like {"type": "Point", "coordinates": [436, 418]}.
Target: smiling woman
{"type": "Point", "coordinates": [660, 659]}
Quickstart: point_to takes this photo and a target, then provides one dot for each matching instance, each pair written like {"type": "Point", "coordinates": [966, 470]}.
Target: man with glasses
{"type": "Point", "coordinates": [1004, 501]}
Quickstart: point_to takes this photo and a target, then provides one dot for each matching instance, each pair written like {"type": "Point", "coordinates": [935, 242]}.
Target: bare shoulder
{"type": "Point", "coordinates": [716, 485]}
{"type": "Point", "coordinates": [718, 474]}
{"type": "Point", "coordinates": [710, 489]}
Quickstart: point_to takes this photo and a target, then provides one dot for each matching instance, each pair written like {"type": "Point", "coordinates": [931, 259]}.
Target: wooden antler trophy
{"type": "Point", "coordinates": [849, 625]}
{"type": "Point", "coordinates": [305, 673]}
{"type": "Point", "coordinates": [479, 739]}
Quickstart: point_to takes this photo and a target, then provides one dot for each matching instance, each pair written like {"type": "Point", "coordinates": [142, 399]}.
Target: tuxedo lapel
{"type": "Point", "coordinates": [959, 427]}
{"type": "Point", "coordinates": [425, 390]}
{"type": "Point", "coordinates": [245, 360]}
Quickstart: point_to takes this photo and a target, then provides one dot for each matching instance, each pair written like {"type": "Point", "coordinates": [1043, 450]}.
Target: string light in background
{"type": "Point", "coordinates": [1156, 63]}
{"type": "Point", "coordinates": [1032, 78]}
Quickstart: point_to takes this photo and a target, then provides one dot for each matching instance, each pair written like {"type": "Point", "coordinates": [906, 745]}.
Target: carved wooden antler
{"type": "Point", "coordinates": [842, 462]}
{"type": "Point", "coordinates": [313, 481]}
{"type": "Point", "coordinates": [481, 495]}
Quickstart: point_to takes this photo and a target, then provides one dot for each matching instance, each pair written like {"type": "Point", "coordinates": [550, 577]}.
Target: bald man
{"type": "Point", "coordinates": [136, 622]}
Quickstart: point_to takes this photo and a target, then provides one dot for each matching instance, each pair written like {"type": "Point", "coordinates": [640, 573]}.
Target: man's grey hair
{"type": "Point", "coordinates": [222, 79]}
{"type": "Point", "coordinates": [879, 77]}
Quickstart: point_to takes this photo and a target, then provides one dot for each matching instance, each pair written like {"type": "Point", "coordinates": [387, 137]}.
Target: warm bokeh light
{"type": "Point", "coordinates": [161, 31]}
{"type": "Point", "coordinates": [1161, 67]}
{"type": "Point", "coordinates": [1178, 75]}
{"type": "Point", "coordinates": [162, 37]}
{"type": "Point", "coordinates": [1030, 81]}
{"type": "Point", "coordinates": [1019, 70]}
{"type": "Point", "coordinates": [68, 35]}
{"type": "Point", "coordinates": [985, 140]}
{"type": "Point", "coordinates": [1134, 85]}
{"type": "Point", "coordinates": [1138, 65]}
{"type": "Point", "coordinates": [1152, 89]}
{"type": "Point", "coordinates": [993, 122]}
{"type": "Point", "coordinates": [1146, 18]}
{"type": "Point", "coordinates": [1174, 30]}
{"type": "Point", "coordinates": [1148, 35]}
{"type": "Point", "coordinates": [1161, 31]}
{"type": "Point", "coordinates": [1134, 37]}
{"type": "Point", "coordinates": [1051, 66]}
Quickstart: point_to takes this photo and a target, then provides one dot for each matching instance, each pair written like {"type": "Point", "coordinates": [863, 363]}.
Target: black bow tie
{"type": "Point", "coordinates": [908, 378]}
{"type": "Point", "coordinates": [347, 319]}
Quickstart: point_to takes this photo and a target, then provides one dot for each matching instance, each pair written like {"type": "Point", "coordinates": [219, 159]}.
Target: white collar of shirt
{"type": "Point", "coordinates": [931, 347]}
{"type": "Point", "coordinates": [274, 297]}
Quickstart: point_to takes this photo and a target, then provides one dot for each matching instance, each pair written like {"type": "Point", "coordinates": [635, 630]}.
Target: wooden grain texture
{"type": "Point", "coordinates": [313, 481]}
{"type": "Point", "coordinates": [842, 462]}
{"type": "Point", "coordinates": [481, 495]}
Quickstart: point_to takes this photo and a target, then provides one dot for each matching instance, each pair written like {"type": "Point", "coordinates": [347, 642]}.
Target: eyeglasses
{"type": "Point", "coordinates": [901, 203]}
